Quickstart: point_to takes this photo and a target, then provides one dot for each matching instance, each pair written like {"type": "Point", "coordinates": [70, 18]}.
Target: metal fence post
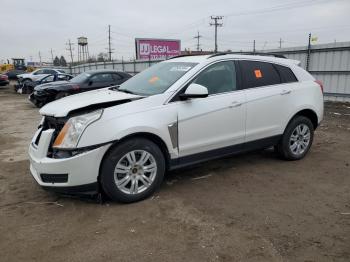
{"type": "Point", "coordinates": [123, 67]}
{"type": "Point", "coordinates": [308, 54]}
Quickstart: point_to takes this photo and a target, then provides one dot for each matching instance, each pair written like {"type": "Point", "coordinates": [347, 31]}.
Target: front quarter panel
{"type": "Point", "coordinates": [130, 118]}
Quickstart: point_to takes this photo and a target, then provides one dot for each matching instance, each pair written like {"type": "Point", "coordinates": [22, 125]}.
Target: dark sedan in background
{"type": "Point", "coordinates": [83, 82]}
{"type": "Point", "coordinates": [27, 87]}
{"type": "Point", "coordinates": [4, 80]}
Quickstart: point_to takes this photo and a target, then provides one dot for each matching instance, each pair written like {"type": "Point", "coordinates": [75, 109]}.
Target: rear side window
{"type": "Point", "coordinates": [257, 74]}
{"type": "Point", "coordinates": [287, 75]}
{"type": "Point", "coordinates": [117, 77]}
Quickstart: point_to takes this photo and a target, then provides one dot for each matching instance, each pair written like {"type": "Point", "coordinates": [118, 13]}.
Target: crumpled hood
{"type": "Point", "coordinates": [47, 85]}
{"type": "Point", "coordinates": [62, 107]}
{"type": "Point", "coordinates": [24, 75]}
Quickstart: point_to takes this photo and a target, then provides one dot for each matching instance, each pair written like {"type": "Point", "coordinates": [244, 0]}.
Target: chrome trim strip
{"type": "Point", "coordinates": [173, 132]}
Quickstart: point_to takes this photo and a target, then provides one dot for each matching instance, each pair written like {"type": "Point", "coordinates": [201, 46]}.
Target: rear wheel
{"type": "Point", "coordinates": [132, 170]}
{"type": "Point", "coordinates": [297, 138]}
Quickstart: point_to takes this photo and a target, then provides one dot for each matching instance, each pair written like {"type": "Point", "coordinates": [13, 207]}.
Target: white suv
{"type": "Point", "coordinates": [38, 74]}
{"type": "Point", "coordinates": [121, 140]}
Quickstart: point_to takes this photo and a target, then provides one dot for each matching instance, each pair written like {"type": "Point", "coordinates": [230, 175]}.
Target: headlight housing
{"type": "Point", "coordinates": [70, 134]}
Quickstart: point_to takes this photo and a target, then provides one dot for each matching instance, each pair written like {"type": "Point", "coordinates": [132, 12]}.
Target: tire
{"type": "Point", "coordinates": [61, 95]}
{"type": "Point", "coordinates": [297, 139]}
{"type": "Point", "coordinates": [26, 81]}
{"type": "Point", "coordinates": [145, 177]}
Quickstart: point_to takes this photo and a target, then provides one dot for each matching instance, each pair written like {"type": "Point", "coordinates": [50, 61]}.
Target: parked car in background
{"type": "Point", "coordinates": [176, 113]}
{"type": "Point", "coordinates": [28, 87]}
{"type": "Point", "coordinates": [37, 74]}
{"type": "Point", "coordinates": [83, 82]}
{"type": "Point", "coordinates": [4, 80]}
{"type": "Point", "coordinates": [12, 74]}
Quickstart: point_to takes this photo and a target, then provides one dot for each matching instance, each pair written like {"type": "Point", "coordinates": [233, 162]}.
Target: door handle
{"type": "Point", "coordinates": [285, 92]}
{"type": "Point", "coordinates": [235, 104]}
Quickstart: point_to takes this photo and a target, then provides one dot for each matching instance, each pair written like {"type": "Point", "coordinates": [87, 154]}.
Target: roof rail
{"type": "Point", "coordinates": [187, 55]}
{"type": "Point", "coordinates": [248, 53]}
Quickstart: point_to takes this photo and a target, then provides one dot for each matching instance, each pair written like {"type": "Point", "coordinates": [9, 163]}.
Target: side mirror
{"type": "Point", "coordinates": [194, 91]}
{"type": "Point", "coordinates": [90, 82]}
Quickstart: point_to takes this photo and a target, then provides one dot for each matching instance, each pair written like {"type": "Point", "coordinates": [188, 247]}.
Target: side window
{"type": "Point", "coordinates": [218, 78]}
{"type": "Point", "coordinates": [257, 74]}
{"type": "Point", "coordinates": [99, 78]}
{"type": "Point", "coordinates": [287, 75]}
{"type": "Point", "coordinates": [116, 77]}
{"type": "Point", "coordinates": [39, 72]}
{"type": "Point", "coordinates": [47, 79]}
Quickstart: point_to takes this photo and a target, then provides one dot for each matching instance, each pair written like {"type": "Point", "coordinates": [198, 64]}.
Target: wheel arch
{"type": "Point", "coordinates": [150, 136]}
{"type": "Point", "coordinates": [309, 113]}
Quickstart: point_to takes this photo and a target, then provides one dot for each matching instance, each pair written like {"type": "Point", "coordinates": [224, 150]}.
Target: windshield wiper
{"type": "Point", "coordinates": [126, 91]}
{"type": "Point", "coordinates": [114, 87]}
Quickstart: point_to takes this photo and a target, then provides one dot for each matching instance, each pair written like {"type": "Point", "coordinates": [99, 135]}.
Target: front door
{"type": "Point", "coordinates": [217, 121]}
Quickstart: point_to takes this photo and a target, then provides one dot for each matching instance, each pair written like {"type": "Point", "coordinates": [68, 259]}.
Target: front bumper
{"type": "Point", "coordinates": [82, 169]}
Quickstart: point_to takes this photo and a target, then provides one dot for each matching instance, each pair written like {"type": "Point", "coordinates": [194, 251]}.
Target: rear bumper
{"type": "Point", "coordinates": [81, 170]}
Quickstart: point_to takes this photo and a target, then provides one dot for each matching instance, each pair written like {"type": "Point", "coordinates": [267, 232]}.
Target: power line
{"type": "Point", "coordinates": [216, 24]}
{"type": "Point", "coordinates": [198, 37]}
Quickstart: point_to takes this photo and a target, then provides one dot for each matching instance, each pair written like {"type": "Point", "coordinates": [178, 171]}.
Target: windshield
{"type": "Point", "coordinates": [156, 79]}
{"type": "Point", "coordinates": [80, 78]}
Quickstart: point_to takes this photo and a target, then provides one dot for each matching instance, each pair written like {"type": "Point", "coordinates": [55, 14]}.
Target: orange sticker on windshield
{"type": "Point", "coordinates": [258, 73]}
{"type": "Point", "coordinates": [153, 79]}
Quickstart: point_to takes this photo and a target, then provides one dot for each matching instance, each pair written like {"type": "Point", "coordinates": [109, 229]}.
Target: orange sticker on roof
{"type": "Point", "coordinates": [258, 73]}
{"type": "Point", "coordinates": [153, 79]}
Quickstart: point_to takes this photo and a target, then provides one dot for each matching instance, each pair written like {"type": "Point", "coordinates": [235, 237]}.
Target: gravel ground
{"type": "Point", "coordinates": [252, 207]}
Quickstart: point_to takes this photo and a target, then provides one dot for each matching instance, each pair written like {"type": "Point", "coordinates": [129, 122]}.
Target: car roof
{"type": "Point", "coordinates": [102, 71]}
{"type": "Point", "coordinates": [218, 57]}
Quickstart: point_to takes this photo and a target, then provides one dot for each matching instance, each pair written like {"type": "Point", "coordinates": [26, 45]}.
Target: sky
{"type": "Point", "coordinates": [30, 27]}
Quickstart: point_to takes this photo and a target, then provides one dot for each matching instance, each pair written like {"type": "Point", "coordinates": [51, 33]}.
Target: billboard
{"type": "Point", "coordinates": [156, 49]}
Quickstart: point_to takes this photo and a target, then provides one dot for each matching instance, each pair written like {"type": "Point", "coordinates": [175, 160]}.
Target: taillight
{"type": "Point", "coordinates": [75, 87]}
{"type": "Point", "coordinates": [320, 84]}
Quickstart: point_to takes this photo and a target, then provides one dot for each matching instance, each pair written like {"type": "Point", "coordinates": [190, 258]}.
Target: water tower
{"type": "Point", "coordinates": [83, 49]}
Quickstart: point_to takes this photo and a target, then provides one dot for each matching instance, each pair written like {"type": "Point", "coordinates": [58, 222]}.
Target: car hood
{"type": "Point", "coordinates": [48, 85]}
{"type": "Point", "coordinates": [24, 75]}
{"type": "Point", "coordinates": [89, 100]}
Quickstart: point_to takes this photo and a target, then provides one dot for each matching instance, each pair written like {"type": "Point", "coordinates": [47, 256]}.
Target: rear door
{"type": "Point", "coordinates": [99, 81]}
{"type": "Point", "coordinates": [268, 96]}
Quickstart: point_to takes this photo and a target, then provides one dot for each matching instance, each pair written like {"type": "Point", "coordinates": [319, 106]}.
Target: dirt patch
{"type": "Point", "coordinates": [252, 207]}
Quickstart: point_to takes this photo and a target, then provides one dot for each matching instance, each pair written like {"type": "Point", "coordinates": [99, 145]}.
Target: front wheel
{"type": "Point", "coordinates": [132, 170]}
{"type": "Point", "coordinates": [297, 138]}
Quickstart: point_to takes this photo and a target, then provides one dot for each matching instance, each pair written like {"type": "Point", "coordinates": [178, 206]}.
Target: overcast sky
{"type": "Point", "coordinates": [28, 27]}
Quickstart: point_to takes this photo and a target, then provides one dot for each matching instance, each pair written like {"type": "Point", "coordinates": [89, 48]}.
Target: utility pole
{"type": "Point", "coordinates": [69, 44]}
{"type": "Point", "coordinates": [280, 43]}
{"type": "Point", "coordinates": [109, 43]}
{"type": "Point", "coordinates": [216, 24]}
{"type": "Point", "coordinates": [198, 44]}
{"type": "Point", "coordinates": [254, 47]}
{"type": "Point", "coordinates": [51, 55]}
{"type": "Point", "coordinates": [40, 58]}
